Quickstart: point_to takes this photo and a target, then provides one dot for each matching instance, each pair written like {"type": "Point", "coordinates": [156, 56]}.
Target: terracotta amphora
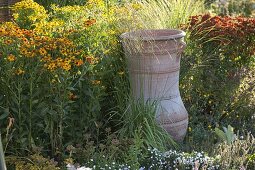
{"type": "Point", "coordinates": [153, 58]}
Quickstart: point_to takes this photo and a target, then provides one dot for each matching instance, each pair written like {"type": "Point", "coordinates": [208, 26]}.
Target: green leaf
{"type": "Point", "coordinates": [5, 114]}
{"type": "Point", "coordinates": [35, 101]}
{"type": "Point", "coordinates": [220, 134]}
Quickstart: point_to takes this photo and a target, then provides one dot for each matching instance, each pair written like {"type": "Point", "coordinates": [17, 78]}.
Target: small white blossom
{"type": "Point", "coordinates": [83, 168]}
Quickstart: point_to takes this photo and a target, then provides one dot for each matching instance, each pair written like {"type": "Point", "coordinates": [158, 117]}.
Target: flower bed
{"type": "Point", "coordinates": [65, 97]}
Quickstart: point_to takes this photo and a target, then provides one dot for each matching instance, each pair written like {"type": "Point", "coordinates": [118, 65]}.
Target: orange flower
{"type": "Point", "coordinates": [72, 96]}
{"type": "Point", "coordinates": [90, 22]}
{"type": "Point", "coordinates": [25, 40]}
{"type": "Point", "coordinates": [89, 59]}
{"type": "Point", "coordinates": [78, 62]}
{"type": "Point", "coordinates": [8, 42]}
{"type": "Point", "coordinates": [11, 58]}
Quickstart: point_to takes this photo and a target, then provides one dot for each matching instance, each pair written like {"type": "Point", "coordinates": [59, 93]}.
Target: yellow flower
{"type": "Point", "coordinates": [20, 71]}
{"type": "Point", "coordinates": [136, 6]}
{"type": "Point", "coordinates": [69, 161]}
{"type": "Point", "coordinates": [121, 73]}
{"type": "Point", "coordinates": [28, 11]}
{"type": "Point", "coordinates": [11, 58]}
{"type": "Point", "coordinates": [67, 61]}
{"type": "Point", "coordinates": [66, 66]}
{"type": "Point", "coordinates": [96, 82]}
{"type": "Point", "coordinates": [59, 61]}
{"type": "Point", "coordinates": [72, 96]}
{"type": "Point", "coordinates": [23, 51]}
{"type": "Point", "coordinates": [51, 66]}
{"type": "Point", "coordinates": [63, 52]}
{"type": "Point", "coordinates": [42, 51]}
{"type": "Point", "coordinates": [46, 58]}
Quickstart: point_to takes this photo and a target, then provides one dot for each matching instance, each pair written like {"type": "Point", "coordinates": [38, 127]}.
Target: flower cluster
{"type": "Point", "coordinates": [234, 35]}
{"type": "Point", "coordinates": [161, 160]}
{"type": "Point", "coordinates": [173, 159]}
{"type": "Point", "coordinates": [53, 53]}
{"type": "Point", "coordinates": [94, 165]}
{"type": "Point", "coordinates": [28, 12]}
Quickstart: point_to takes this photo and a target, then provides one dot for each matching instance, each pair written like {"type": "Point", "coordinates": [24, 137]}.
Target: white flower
{"type": "Point", "coordinates": [70, 167]}
{"type": "Point", "coordinates": [83, 168]}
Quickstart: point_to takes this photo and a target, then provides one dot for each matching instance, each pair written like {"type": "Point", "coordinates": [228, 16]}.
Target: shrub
{"type": "Point", "coordinates": [232, 36]}
{"type": "Point", "coordinates": [38, 75]}
{"type": "Point", "coordinates": [234, 7]}
{"type": "Point", "coordinates": [216, 62]}
{"type": "Point", "coordinates": [35, 161]}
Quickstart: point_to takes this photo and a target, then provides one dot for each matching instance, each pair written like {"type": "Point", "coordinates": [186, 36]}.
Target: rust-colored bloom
{"type": "Point", "coordinates": [8, 42]}
{"type": "Point", "coordinates": [72, 96]}
{"type": "Point", "coordinates": [90, 59]}
{"type": "Point", "coordinates": [78, 62]}
{"type": "Point", "coordinates": [90, 22]}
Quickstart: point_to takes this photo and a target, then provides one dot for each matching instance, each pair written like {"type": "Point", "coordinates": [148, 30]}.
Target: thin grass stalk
{"type": "Point", "coordinates": [168, 13]}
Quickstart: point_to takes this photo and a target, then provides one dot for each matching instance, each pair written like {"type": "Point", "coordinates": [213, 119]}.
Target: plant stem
{"type": "Point", "coordinates": [2, 161]}
{"type": "Point", "coordinates": [19, 112]}
{"type": "Point", "coordinates": [30, 115]}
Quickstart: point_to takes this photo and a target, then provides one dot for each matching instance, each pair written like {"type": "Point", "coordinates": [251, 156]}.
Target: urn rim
{"type": "Point", "coordinates": [154, 34]}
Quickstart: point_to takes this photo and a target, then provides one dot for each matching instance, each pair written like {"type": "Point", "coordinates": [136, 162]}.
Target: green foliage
{"type": "Point", "coordinates": [234, 7]}
{"type": "Point", "coordinates": [142, 115]}
{"type": "Point", "coordinates": [251, 161]}
{"type": "Point", "coordinates": [33, 162]}
{"type": "Point", "coordinates": [48, 3]}
{"type": "Point", "coordinates": [213, 73]}
{"type": "Point", "coordinates": [199, 137]}
{"type": "Point", "coordinates": [227, 135]}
